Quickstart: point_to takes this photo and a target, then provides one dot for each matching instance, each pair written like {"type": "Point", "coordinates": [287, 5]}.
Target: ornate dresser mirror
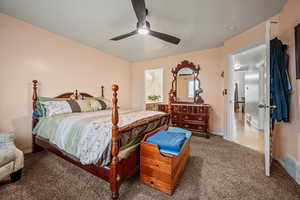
{"type": "Point", "coordinates": [186, 84]}
{"type": "Point", "coordinates": [185, 103]}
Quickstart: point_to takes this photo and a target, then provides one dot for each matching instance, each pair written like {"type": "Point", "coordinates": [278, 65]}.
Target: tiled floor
{"type": "Point", "coordinates": [246, 135]}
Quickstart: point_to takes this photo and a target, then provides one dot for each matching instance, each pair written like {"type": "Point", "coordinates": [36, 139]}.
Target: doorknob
{"type": "Point", "coordinates": [261, 105]}
{"type": "Point", "coordinates": [266, 106]}
{"type": "Point", "coordinates": [273, 107]}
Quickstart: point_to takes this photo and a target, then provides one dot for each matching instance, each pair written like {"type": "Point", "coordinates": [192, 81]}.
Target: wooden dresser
{"type": "Point", "coordinates": [193, 117]}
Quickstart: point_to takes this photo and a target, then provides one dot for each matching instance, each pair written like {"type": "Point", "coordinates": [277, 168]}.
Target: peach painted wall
{"type": "Point", "coordinates": [287, 136]}
{"type": "Point", "coordinates": [210, 63]}
{"type": "Point", "coordinates": [61, 65]}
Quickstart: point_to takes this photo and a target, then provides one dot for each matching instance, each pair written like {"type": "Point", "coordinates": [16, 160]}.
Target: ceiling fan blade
{"type": "Point", "coordinates": [165, 37]}
{"type": "Point", "coordinates": [124, 36]}
{"type": "Point", "coordinates": [139, 9]}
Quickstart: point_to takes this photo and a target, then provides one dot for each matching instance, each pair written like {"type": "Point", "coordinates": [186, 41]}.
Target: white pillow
{"type": "Point", "coordinates": [106, 101]}
{"type": "Point", "coordinates": [56, 107]}
{"type": "Point", "coordinates": [96, 105]}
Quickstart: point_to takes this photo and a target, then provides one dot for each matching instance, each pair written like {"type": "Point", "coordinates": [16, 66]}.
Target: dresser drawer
{"type": "Point", "coordinates": [201, 118]}
{"type": "Point", "coordinates": [175, 117]}
{"type": "Point", "coordinates": [176, 124]}
{"type": "Point", "coordinates": [163, 108]}
{"type": "Point", "coordinates": [184, 109]}
{"type": "Point", "coordinates": [176, 108]}
{"type": "Point", "coordinates": [200, 109]}
{"type": "Point", "coordinates": [195, 127]}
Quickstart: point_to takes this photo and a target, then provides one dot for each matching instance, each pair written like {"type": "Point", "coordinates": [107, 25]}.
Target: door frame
{"type": "Point", "coordinates": [230, 91]}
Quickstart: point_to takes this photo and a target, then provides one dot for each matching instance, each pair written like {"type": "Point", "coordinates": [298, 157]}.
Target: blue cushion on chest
{"type": "Point", "coordinates": [180, 130]}
{"type": "Point", "coordinates": [167, 140]}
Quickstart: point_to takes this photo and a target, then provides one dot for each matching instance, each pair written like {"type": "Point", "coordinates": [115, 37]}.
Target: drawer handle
{"type": "Point", "coordinates": [157, 165]}
{"type": "Point", "coordinates": [186, 117]}
{"type": "Point", "coordinates": [200, 118]}
{"type": "Point", "coordinates": [151, 182]}
{"type": "Point", "coordinates": [186, 126]}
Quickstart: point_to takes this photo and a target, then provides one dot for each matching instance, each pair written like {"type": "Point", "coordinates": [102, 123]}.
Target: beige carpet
{"type": "Point", "coordinates": [217, 169]}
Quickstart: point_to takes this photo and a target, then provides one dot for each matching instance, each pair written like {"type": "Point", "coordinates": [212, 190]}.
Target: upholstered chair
{"type": "Point", "coordinates": [11, 158]}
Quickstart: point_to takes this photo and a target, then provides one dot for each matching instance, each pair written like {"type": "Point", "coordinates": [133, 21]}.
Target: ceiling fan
{"type": "Point", "coordinates": [143, 26]}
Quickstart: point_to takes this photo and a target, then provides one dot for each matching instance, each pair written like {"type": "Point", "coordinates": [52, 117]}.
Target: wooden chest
{"type": "Point", "coordinates": [162, 171]}
{"type": "Point", "coordinates": [193, 117]}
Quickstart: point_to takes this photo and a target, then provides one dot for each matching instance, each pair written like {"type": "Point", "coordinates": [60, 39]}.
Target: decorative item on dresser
{"type": "Point", "coordinates": [187, 107]}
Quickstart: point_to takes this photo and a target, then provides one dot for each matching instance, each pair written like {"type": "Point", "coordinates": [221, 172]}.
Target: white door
{"type": "Point", "coordinates": [266, 104]}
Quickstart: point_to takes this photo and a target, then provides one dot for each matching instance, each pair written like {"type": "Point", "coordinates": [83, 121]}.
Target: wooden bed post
{"type": "Point", "coordinates": [114, 166]}
{"type": "Point", "coordinates": [34, 95]}
{"type": "Point", "coordinates": [102, 91]}
{"type": "Point", "coordinates": [35, 147]}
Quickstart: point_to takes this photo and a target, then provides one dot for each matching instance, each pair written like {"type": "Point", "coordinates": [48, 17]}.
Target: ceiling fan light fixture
{"type": "Point", "coordinates": [143, 31]}
{"type": "Point", "coordinates": [143, 28]}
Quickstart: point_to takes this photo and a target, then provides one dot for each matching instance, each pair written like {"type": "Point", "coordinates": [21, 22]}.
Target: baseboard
{"type": "Point", "coordinates": [27, 150]}
{"type": "Point", "coordinates": [291, 166]}
{"type": "Point", "coordinates": [227, 138]}
{"type": "Point", "coordinates": [216, 133]}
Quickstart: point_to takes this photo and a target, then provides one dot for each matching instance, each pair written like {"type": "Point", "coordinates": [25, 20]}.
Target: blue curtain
{"type": "Point", "coordinates": [280, 81]}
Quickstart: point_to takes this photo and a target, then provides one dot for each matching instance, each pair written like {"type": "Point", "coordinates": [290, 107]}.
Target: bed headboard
{"type": "Point", "coordinates": [76, 94]}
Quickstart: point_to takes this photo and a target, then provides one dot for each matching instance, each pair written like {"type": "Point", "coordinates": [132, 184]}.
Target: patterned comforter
{"type": "Point", "coordinates": [87, 136]}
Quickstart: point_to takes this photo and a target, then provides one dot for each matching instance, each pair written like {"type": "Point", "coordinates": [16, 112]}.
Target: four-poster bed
{"type": "Point", "coordinates": [118, 169]}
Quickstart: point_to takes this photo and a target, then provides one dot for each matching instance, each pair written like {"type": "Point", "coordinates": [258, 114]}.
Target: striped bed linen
{"type": "Point", "coordinates": [87, 136]}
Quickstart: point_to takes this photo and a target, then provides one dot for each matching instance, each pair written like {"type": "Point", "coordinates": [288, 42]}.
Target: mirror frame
{"type": "Point", "coordinates": [173, 91]}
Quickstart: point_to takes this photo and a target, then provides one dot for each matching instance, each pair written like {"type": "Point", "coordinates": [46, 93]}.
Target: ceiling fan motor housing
{"type": "Point", "coordinates": [143, 25]}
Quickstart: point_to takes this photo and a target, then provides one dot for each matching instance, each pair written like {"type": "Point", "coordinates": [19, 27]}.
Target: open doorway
{"type": "Point", "coordinates": [247, 122]}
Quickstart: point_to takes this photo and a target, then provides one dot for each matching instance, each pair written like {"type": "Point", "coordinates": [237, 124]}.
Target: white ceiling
{"type": "Point", "coordinates": [200, 24]}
